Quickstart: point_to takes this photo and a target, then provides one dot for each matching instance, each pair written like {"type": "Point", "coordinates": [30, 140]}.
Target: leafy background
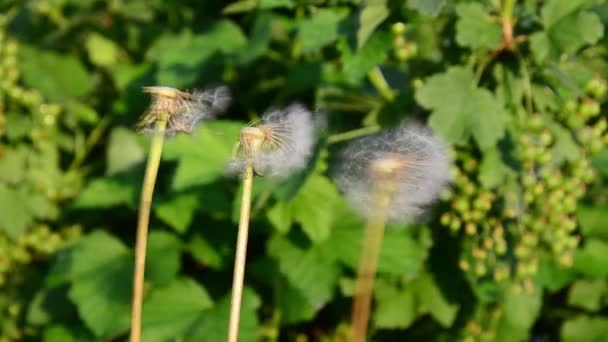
{"type": "Point", "coordinates": [517, 249]}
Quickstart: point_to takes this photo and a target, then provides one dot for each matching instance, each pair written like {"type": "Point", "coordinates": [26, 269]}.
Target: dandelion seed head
{"type": "Point", "coordinates": [184, 110]}
{"type": "Point", "coordinates": [410, 159]}
{"type": "Point", "coordinates": [277, 146]}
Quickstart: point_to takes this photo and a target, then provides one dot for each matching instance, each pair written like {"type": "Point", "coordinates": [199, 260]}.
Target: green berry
{"type": "Point", "coordinates": [445, 219]}
{"type": "Point", "coordinates": [535, 122]}
{"type": "Point", "coordinates": [590, 108]}
{"type": "Point", "coordinates": [398, 28]}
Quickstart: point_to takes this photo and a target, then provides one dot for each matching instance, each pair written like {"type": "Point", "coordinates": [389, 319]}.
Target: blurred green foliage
{"type": "Point", "coordinates": [517, 249]}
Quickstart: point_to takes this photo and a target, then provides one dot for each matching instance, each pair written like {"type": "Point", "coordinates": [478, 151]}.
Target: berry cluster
{"type": "Point", "coordinates": [483, 325]}
{"type": "Point", "coordinates": [474, 211]}
{"type": "Point", "coordinates": [39, 241]}
{"type": "Point", "coordinates": [506, 235]}
{"type": "Point", "coordinates": [403, 49]}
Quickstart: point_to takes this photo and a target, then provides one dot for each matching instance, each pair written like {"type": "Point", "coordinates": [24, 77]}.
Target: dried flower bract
{"type": "Point", "coordinates": [408, 160]}
{"type": "Point", "coordinates": [184, 110]}
{"type": "Point", "coordinates": [280, 144]}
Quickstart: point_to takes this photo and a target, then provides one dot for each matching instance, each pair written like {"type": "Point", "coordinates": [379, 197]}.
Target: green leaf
{"type": "Point", "coordinates": [584, 328]}
{"type": "Point", "coordinates": [312, 207]}
{"type": "Point", "coordinates": [555, 10]}
{"type": "Point", "coordinates": [460, 109]}
{"type": "Point", "coordinates": [178, 211]}
{"type": "Point", "coordinates": [128, 77]}
{"type": "Point", "coordinates": [213, 323]}
{"type": "Point", "coordinates": [520, 312]}
{"type": "Point", "coordinates": [105, 193]}
{"type": "Point", "coordinates": [12, 163]}
{"type": "Point", "coordinates": [492, 170]}
{"type": "Point", "coordinates": [430, 299]}
{"type": "Point", "coordinates": [400, 254]}
{"type": "Point", "coordinates": [50, 305]}
{"type": "Point", "coordinates": [103, 298]}
{"type": "Point", "coordinates": [600, 161]}
{"type": "Point", "coordinates": [280, 217]}
{"type": "Point", "coordinates": [575, 31]}
{"type": "Point", "coordinates": [17, 216]}
{"type": "Point", "coordinates": [593, 221]}
{"type": "Point", "coordinates": [320, 29]}
{"type": "Point", "coordinates": [552, 275]}
{"type": "Point", "coordinates": [92, 252]}
{"type": "Point", "coordinates": [21, 125]}
{"type": "Point", "coordinates": [588, 294]}
{"type": "Point", "coordinates": [164, 257]}
{"type": "Point", "coordinates": [426, 7]}
{"type": "Point", "coordinates": [304, 76]}
{"type": "Point", "coordinates": [309, 270]}
{"type": "Point", "coordinates": [395, 307]}
{"type": "Point", "coordinates": [170, 311]}
{"type": "Point", "coordinates": [592, 259]}
{"type": "Point", "coordinates": [180, 57]}
{"type": "Point", "coordinates": [260, 37]}
{"type": "Point", "coordinates": [509, 88]}
{"type": "Point", "coordinates": [102, 51]}
{"type": "Point", "coordinates": [240, 7]}
{"type": "Point", "coordinates": [216, 252]}
{"type": "Point", "coordinates": [100, 269]}
{"type": "Point", "coordinates": [123, 152]}
{"type": "Point", "coordinates": [268, 4]}
{"type": "Point", "coordinates": [541, 46]}
{"type": "Point", "coordinates": [82, 112]}
{"type": "Point", "coordinates": [294, 306]}
{"type": "Point", "coordinates": [372, 15]}
{"type": "Point", "coordinates": [475, 28]}
{"type": "Point", "coordinates": [567, 28]}
{"type": "Point", "coordinates": [58, 77]}
{"type": "Point", "coordinates": [203, 155]}
{"type": "Point", "coordinates": [66, 333]}
{"type": "Point", "coordinates": [565, 147]}
{"type": "Point", "coordinates": [356, 65]}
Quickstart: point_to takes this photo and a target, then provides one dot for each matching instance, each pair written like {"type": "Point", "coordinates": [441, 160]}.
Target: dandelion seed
{"type": "Point", "coordinates": [184, 110]}
{"type": "Point", "coordinates": [409, 157]}
{"type": "Point", "coordinates": [279, 145]}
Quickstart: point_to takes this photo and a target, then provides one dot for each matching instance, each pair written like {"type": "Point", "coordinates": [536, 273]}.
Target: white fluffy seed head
{"type": "Point", "coordinates": [410, 158]}
{"type": "Point", "coordinates": [184, 110]}
{"type": "Point", "coordinates": [287, 138]}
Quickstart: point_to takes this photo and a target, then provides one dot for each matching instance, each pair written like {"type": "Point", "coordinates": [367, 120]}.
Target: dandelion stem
{"type": "Point", "coordinates": [145, 202]}
{"type": "Point", "coordinates": [368, 262]}
{"type": "Point", "coordinates": [241, 252]}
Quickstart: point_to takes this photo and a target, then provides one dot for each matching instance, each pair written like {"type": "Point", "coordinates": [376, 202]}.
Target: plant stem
{"type": "Point", "coordinates": [507, 23]}
{"type": "Point", "coordinates": [241, 252]}
{"type": "Point", "coordinates": [375, 76]}
{"type": "Point", "coordinates": [145, 202]}
{"type": "Point", "coordinates": [368, 262]}
{"type": "Point", "coordinates": [355, 133]}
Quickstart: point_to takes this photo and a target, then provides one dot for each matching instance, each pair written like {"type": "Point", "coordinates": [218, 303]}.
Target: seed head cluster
{"type": "Point", "coordinates": [277, 146]}
{"type": "Point", "coordinates": [184, 110]}
{"type": "Point", "coordinates": [409, 160]}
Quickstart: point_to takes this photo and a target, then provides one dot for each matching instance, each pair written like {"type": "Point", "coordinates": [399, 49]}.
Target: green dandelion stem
{"type": "Point", "coordinates": [143, 221]}
{"type": "Point", "coordinates": [241, 253]}
{"type": "Point", "coordinates": [368, 262]}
